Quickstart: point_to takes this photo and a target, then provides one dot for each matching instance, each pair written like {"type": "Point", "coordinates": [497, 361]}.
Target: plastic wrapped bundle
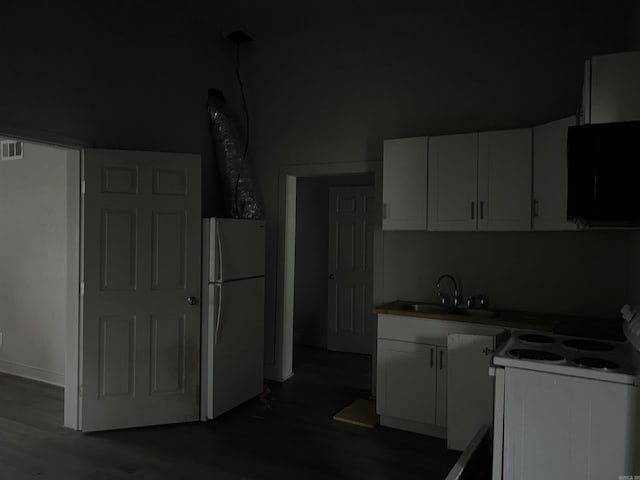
{"type": "Point", "coordinates": [238, 185]}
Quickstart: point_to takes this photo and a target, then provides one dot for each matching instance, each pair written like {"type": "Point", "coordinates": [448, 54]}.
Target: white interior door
{"type": "Point", "coordinates": [139, 349]}
{"type": "Point", "coordinates": [236, 320]}
{"type": "Point", "coordinates": [350, 290]}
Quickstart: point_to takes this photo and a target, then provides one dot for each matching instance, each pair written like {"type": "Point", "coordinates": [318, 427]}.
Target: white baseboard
{"type": "Point", "coordinates": [32, 373]}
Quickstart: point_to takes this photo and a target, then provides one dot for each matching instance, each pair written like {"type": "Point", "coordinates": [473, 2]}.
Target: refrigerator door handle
{"type": "Point", "coordinates": [219, 311]}
{"type": "Point", "coordinates": [219, 244]}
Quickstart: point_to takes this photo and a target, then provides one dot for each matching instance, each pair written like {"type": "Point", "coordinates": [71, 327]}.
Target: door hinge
{"type": "Point", "coordinates": [80, 390]}
{"type": "Point", "coordinates": [83, 187]}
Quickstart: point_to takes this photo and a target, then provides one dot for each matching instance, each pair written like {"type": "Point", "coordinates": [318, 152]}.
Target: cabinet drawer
{"type": "Point", "coordinates": [427, 331]}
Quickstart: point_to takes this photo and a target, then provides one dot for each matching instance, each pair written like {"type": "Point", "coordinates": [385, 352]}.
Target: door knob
{"type": "Point", "coordinates": [192, 300]}
{"type": "Point", "coordinates": [331, 276]}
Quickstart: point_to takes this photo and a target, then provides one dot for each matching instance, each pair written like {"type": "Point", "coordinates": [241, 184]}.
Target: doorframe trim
{"type": "Point", "coordinates": [72, 351]}
{"type": "Point", "coordinates": [72, 325]}
{"type": "Point", "coordinates": [282, 367]}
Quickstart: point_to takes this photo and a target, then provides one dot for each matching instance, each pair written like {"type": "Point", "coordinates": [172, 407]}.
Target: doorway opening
{"type": "Point", "coordinates": [39, 279]}
{"type": "Point", "coordinates": [282, 366]}
{"type": "Point", "coordinates": [333, 309]}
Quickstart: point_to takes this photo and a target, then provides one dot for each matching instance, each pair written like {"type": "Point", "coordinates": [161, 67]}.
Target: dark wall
{"type": "Point", "coordinates": [128, 75]}
{"type": "Point", "coordinates": [327, 94]}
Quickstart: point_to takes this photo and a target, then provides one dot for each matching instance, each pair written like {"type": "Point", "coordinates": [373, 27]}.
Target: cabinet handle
{"type": "Point", "coordinates": [473, 208]}
{"type": "Point", "coordinates": [535, 209]}
{"type": "Point", "coordinates": [384, 211]}
{"type": "Point", "coordinates": [432, 358]}
{"type": "Point", "coordinates": [441, 358]}
{"type": "Point", "coordinates": [481, 209]}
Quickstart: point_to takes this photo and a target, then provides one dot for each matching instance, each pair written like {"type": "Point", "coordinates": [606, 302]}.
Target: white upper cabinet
{"type": "Point", "coordinates": [610, 90]}
{"type": "Point", "coordinates": [453, 168]}
{"type": "Point", "coordinates": [550, 176]}
{"type": "Point", "coordinates": [404, 187]}
{"type": "Point", "coordinates": [504, 180]}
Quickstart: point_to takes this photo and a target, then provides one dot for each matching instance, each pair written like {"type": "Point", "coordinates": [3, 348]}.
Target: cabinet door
{"type": "Point", "coordinates": [614, 87]}
{"type": "Point", "coordinates": [452, 194]}
{"type": "Point", "coordinates": [404, 186]}
{"type": "Point", "coordinates": [504, 180]}
{"type": "Point", "coordinates": [550, 176]}
{"type": "Point", "coordinates": [407, 381]}
{"type": "Point", "coordinates": [470, 388]}
{"type": "Point", "coordinates": [441, 386]}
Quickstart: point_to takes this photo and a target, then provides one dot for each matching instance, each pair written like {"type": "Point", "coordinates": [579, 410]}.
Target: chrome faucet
{"type": "Point", "coordinates": [443, 298]}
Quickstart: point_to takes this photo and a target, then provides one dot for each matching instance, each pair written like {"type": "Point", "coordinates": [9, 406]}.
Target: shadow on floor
{"type": "Point", "coordinates": [289, 433]}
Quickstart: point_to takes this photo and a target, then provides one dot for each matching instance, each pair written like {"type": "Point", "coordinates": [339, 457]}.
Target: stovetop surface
{"type": "Point", "coordinates": [581, 357]}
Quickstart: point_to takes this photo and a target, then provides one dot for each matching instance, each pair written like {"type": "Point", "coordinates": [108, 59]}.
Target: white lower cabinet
{"type": "Point", "coordinates": [426, 387]}
{"type": "Point", "coordinates": [407, 384]}
{"type": "Point", "coordinates": [470, 400]}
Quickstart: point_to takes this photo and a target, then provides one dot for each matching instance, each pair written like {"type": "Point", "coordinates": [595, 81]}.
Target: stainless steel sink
{"type": "Point", "coordinates": [427, 308]}
{"type": "Point", "coordinates": [462, 311]}
{"type": "Point", "coordinates": [475, 312]}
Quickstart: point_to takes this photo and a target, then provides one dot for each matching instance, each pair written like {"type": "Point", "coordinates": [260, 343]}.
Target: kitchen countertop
{"type": "Point", "coordinates": [605, 328]}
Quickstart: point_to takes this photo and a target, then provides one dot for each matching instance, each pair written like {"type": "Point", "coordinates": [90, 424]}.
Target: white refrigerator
{"type": "Point", "coordinates": [233, 313]}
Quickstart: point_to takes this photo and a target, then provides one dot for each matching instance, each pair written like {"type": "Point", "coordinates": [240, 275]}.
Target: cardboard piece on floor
{"type": "Point", "coordinates": [360, 412]}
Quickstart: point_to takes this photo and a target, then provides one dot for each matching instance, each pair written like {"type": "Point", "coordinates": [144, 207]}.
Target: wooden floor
{"type": "Point", "coordinates": [289, 433]}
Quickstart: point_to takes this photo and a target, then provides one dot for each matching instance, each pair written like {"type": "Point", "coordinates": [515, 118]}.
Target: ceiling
{"type": "Point", "coordinates": [262, 19]}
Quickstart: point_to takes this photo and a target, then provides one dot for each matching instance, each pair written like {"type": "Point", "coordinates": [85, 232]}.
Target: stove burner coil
{"type": "Point", "coordinates": [535, 338]}
{"type": "Point", "coordinates": [596, 363]}
{"type": "Point", "coordinates": [586, 345]}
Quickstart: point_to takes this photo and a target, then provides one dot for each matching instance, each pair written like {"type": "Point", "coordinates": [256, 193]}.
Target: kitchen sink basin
{"type": "Point", "coordinates": [462, 311]}
{"type": "Point", "coordinates": [427, 308]}
{"type": "Point", "coordinates": [475, 312]}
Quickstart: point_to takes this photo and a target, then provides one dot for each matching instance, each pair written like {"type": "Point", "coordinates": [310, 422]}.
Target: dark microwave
{"type": "Point", "coordinates": [603, 162]}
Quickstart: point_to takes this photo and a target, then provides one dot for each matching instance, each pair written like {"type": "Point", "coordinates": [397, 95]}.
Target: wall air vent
{"type": "Point", "coordinates": [11, 150]}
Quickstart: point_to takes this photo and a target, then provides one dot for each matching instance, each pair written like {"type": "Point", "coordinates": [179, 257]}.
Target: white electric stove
{"type": "Point", "coordinates": [567, 407]}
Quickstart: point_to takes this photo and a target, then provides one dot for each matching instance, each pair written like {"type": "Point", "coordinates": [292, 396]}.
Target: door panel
{"type": "Point", "coordinates": [117, 356]}
{"type": "Point", "coordinates": [169, 252]}
{"type": "Point", "coordinates": [237, 321]}
{"type": "Point", "coordinates": [168, 345]}
{"type": "Point", "coordinates": [350, 284]}
{"type": "Point", "coordinates": [118, 249]}
{"type": "Point", "coordinates": [141, 261]}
